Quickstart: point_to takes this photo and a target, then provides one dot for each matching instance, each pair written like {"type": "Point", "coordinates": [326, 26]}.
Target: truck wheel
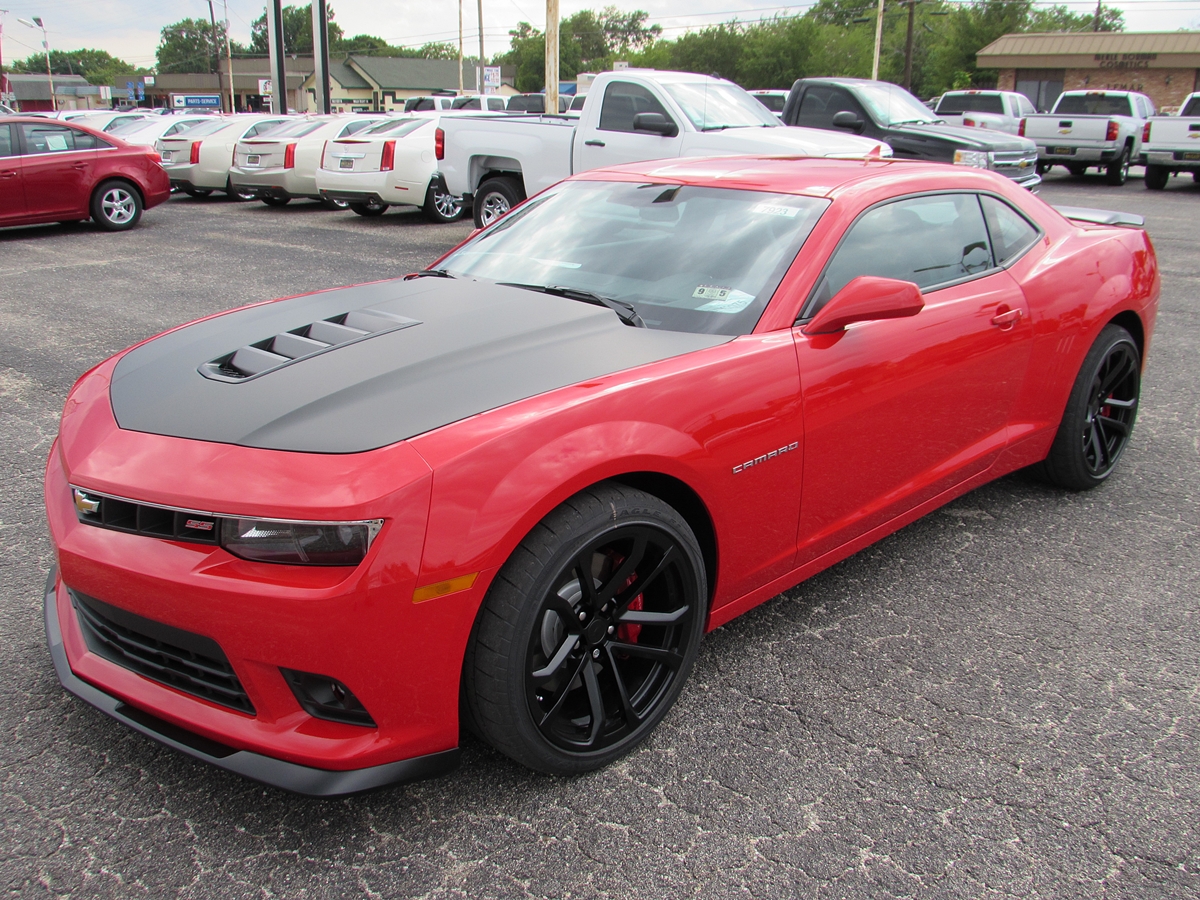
{"type": "Point", "coordinates": [495, 197]}
{"type": "Point", "coordinates": [1118, 170]}
{"type": "Point", "coordinates": [1157, 177]}
{"type": "Point", "coordinates": [1076, 169]}
{"type": "Point", "coordinates": [1043, 168]}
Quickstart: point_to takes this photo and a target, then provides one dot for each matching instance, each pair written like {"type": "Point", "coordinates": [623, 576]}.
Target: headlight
{"type": "Point", "coordinates": [299, 543]}
{"type": "Point", "coordinates": [978, 159]}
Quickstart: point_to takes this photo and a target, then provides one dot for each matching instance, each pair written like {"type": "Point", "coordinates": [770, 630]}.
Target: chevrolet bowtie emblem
{"type": "Point", "coordinates": [1064, 131]}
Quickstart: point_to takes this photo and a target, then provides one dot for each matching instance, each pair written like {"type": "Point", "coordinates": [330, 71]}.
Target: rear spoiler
{"type": "Point", "coordinates": [1101, 216]}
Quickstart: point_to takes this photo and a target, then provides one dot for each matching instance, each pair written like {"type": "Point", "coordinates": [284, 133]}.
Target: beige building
{"type": "Point", "coordinates": [1163, 65]}
{"type": "Point", "coordinates": [383, 83]}
{"type": "Point", "coordinates": [248, 75]}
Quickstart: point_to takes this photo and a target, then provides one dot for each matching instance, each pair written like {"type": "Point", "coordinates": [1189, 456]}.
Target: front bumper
{"type": "Point", "coordinates": [278, 773]}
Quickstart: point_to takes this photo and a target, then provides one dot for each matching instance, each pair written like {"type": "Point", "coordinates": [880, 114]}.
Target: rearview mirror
{"type": "Point", "coordinates": [655, 123]}
{"type": "Point", "coordinates": [847, 119]}
{"type": "Point", "coordinates": [866, 299]}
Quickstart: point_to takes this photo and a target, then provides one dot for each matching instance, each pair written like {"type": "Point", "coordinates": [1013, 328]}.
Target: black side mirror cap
{"type": "Point", "coordinates": [847, 119]}
{"type": "Point", "coordinates": [655, 123]}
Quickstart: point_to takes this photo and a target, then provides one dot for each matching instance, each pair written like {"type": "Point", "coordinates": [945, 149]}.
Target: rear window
{"type": "Point", "coordinates": [467, 103]}
{"type": "Point", "coordinates": [295, 129]}
{"type": "Point", "coordinates": [207, 128]}
{"type": "Point", "coordinates": [952, 104]}
{"type": "Point", "coordinates": [773, 102]}
{"type": "Point", "coordinates": [398, 128]}
{"type": "Point", "coordinates": [1192, 108]}
{"type": "Point", "coordinates": [1093, 105]}
{"type": "Point", "coordinates": [356, 127]}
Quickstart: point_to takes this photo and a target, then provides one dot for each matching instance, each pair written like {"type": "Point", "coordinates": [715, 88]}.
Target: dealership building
{"type": "Point", "coordinates": [1164, 65]}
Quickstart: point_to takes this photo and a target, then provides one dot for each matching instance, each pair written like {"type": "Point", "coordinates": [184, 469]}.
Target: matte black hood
{"type": "Point", "coordinates": [475, 346]}
{"type": "Point", "coordinates": [964, 138]}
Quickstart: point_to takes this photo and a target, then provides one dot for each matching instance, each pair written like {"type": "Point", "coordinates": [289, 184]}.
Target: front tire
{"type": "Point", "coordinates": [116, 206]}
{"type": "Point", "coordinates": [1098, 421]}
{"type": "Point", "coordinates": [1117, 172]}
{"type": "Point", "coordinates": [441, 206]}
{"type": "Point", "coordinates": [1157, 177]}
{"type": "Point", "coordinates": [588, 632]}
{"type": "Point", "coordinates": [495, 197]}
{"type": "Point", "coordinates": [369, 208]}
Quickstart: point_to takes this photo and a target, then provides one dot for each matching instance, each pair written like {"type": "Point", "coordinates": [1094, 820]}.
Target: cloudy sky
{"type": "Point", "coordinates": [130, 28]}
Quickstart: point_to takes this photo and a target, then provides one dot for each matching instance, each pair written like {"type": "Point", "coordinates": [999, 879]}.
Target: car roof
{"type": "Point", "coordinates": [811, 176]}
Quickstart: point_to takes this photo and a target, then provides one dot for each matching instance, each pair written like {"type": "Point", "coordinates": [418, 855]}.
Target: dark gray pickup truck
{"type": "Point", "coordinates": [887, 112]}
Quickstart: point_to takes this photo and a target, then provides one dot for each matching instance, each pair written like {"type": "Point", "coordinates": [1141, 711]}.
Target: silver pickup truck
{"type": "Point", "coordinates": [997, 110]}
{"type": "Point", "coordinates": [1091, 129]}
{"type": "Point", "coordinates": [1172, 144]}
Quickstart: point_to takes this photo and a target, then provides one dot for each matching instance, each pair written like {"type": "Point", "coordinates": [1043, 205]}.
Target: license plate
{"type": "Point", "coordinates": [1191, 155]}
{"type": "Point", "coordinates": [166, 156]}
{"type": "Point", "coordinates": [346, 164]}
{"type": "Point", "coordinates": [1062, 151]}
{"type": "Point", "coordinates": [252, 159]}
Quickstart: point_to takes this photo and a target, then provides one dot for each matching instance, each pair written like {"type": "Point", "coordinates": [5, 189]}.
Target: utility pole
{"type": "Point", "coordinates": [878, 42]}
{"type": "Point", "coordinates": [460, 47]}
{"type": "Point", "coordinates": [908, 45]}
{"type": "Point", "coordinates": [214, 61]}
{"type": "Point", "coordinates": [3, 80]}
{"type": "Point", "coordinates": [229, 59]}
{"type": "Point", "coordinates": [278, 62]}
{"type": "Point", "coordinates": [479, 71]}
{"type": "Point", "coordinates": [1096, 23]}
{"type": "Point", "coordinates": [320, 19]}
{"type": "Point", "coordinates": [552, 57]}
{"type": "Point", "coordinates": [37, 23]}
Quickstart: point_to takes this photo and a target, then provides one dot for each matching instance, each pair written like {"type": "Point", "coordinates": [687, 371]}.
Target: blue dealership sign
{"type": "Point", "coordinates": [196, 101]}
{"type": "Point", "coordinates": [129, 92]}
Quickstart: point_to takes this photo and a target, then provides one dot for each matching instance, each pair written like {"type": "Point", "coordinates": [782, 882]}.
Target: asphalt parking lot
{"type": "Point", "coordinates": [1001, 700]}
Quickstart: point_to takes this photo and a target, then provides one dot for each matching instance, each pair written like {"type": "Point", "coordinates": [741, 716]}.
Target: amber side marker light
{"type": "Point", "coordinates": [442, 588]}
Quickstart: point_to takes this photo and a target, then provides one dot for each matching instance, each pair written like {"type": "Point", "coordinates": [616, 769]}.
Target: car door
{"type": "Point", "coordinates": [615, 141]}
{"type": "Point", "coordinates": [821, 102]}
{"type": "Point", "coordinates": [898, 411]}
{"type": "Point", "coordinates": [57, 162]}
{"type": "Point", "coordinates": [12, 185]}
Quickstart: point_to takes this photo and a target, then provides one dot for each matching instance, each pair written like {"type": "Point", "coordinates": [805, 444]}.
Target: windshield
{"type": "Point", "coordinates": [697, 259]}
{"type": "Point", "coordinates": [397, 127]}
{"type": "Point", "coordinates": [893, 105]}
{"type": "Point", "coordinates": [714, 105]}
{"type": "Point", "coordinates": [1092, 105]}
{"type": "Point", "coordinates": [952, 104]}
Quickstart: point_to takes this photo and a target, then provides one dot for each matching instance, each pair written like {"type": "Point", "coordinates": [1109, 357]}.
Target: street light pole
{"type": "Point", "coordinates": [482, 62]}
{"type": "Point", "coordinates": [37, 23]}
{"type": "Point", "coordinates": [460, 47]}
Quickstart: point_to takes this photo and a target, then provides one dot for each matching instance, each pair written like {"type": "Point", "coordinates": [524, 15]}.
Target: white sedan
{"type": "Point", "coordinates": [281, 165]}
{"type": "Point", "coordinates": [147, 130]}
{"type": "Point", "coordinates": [393, 163]}
{"type": "Point", "coordinates": [198, 160]}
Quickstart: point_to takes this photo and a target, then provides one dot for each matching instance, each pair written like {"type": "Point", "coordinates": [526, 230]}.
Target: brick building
{"type": "Point", "coordinates": [1163, 65]}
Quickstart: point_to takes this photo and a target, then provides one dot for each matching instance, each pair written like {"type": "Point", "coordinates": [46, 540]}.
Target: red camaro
{"type": "Point", "coordinates": [311, 539]}
{"type": "Point", "coordinates": [52, 171]}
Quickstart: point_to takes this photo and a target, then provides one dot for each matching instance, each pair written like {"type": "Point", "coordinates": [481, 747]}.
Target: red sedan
{"type": "Point", "coordinates": [52, 171]}
{"type": "Point", "coordinates": [300, 539]}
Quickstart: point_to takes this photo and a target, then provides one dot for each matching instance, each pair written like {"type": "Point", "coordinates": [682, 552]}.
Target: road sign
{"type": "Point", "coordinates": [491, 79]}
{"type": "Point", "coordinates": [196, 101]}
{"type": "Point", "coordinates": [141, 91]}
{"type": "Point", "coordinates": [130, 93]}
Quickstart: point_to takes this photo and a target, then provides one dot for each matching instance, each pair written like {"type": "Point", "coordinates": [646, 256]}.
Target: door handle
{"type": "Point", "coordinates": [1006, 319]}
{"type": "Point", "coordinates": [79, 166]}
{"type": "Point", "coordinates": [9, 173]}
{"type": "Point", "coordinates": [593, 143]}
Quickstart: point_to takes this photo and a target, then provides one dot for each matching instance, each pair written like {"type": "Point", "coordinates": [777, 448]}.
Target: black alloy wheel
{"type": "Point", "coordinates": [1156, 177]}
{"type": "Point", "coordinates": [588, 633]}
{"type": "Point", "coordinates": [1100, 413]}
{"type": "Point", "coordinates": [1117, 172]}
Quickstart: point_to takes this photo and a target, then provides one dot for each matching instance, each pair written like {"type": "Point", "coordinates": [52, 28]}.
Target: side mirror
{"type": "Point", "coordinates": [866, 299]}
{"type": "Point", "coordinates": [655, 123]}
{"type": "Point", "coordinates": [847, 119]}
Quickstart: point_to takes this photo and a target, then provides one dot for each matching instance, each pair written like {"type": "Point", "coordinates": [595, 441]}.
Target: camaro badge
{"type": "Point", "coordinates": [199, 524]}
{"type": "Point", "coordinates": [759, 460]}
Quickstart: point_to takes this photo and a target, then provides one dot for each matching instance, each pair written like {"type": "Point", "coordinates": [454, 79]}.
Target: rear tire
{"type": "Point", "coordinates": [116, 206]}
{"type": "Point", "coordinates": [1117, 172]}
{"type": "Point", "coordinates": [495, 197]}
{"type": "Point", "coordinates": [276, 201]}
{"type": "Point", "coordinates": [441, 206]}
{"type": "Point", "coordinates": [1098, 421]}
{"type": "Point", "coordinates": [370, 208]}
{"type": "Point", "coordinates": [1157, 177]}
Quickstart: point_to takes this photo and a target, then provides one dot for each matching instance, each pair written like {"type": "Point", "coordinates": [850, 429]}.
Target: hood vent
{"type": "Point", "coordinates": [302, 343]}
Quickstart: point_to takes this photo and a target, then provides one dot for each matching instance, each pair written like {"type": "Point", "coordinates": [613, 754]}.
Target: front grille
{"type": "Point", "coordinates": [118, 514]}
{"type": "Point", "coordinates": [188, 662]}
{"type": "Point", "coordinates": [1009, 162]}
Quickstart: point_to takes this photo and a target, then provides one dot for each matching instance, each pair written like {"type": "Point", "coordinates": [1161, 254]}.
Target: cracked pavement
{"type": "Point", "coordinates": [1001, 700]}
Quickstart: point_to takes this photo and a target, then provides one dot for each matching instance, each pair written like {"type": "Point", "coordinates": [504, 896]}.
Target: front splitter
{"type": "Point", "coordinates": [278, 773]}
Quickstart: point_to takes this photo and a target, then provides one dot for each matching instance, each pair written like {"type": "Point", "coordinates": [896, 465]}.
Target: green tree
{"type": "Point", "coordinates": [97, 66]}
{"type": "Point", "coordinates": [187, 46]}
{"type": "Point", "coordinates": [297, 30]}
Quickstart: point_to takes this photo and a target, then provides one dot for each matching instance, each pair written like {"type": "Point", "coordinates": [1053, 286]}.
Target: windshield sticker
{"type": "Point", "coordinates": [769, 210]}
{"type": "Point", "coordinates": [711, 292]}
{"type": "Point", "coordinates": [557, 263]}
{"type": "Point", "coordinates": [56, 142]}
{"type": "Point", "coordinates": [733, 301]}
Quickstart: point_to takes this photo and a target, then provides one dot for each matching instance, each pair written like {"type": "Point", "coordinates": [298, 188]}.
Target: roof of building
{"type": "Point", "coordinates": [37, 87]}
{"type": "Point", "coordinates": [1001, 51]}
{"type": "Point", "coordinates": [345, 75]}
{"type": "Point", "coordinates": [408, 73]}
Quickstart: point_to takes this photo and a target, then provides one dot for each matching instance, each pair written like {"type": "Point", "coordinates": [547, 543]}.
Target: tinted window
{"type": "Point", "coordinates": [495, 103]}
{"type": "Point", "coordinates": [467, 103]}
{"type": "Point", "coordinates": [773, 102]}
{"type": "Point", "coordinates": [527, 103]}
{"type": "Point", "coordinates": [927, 240]}
{"type": "Point", "coordinates": [624, 100]}
{"type": "Point", "coordinates": [57, 139]}
{"type": "Point", "coordinates": [355, 127]}
{"type": "Point", "coordinates": [696, 259]}
{"type": "Point", "coordinates": [296, 129]}
{"type": "Point", "coordinates": [207, 128]}
{"type": "Point", "coordinates": [263, 128]}
{"type": "Point", "coordinates": [1011, 232]}
{"type": "Point", "coordinates": [577, 103]}
{"type": "Point", "coordinates": [820, 104]}
{"type": "Point", "coordinates": [1192, 108]}
{"type": "Point", "coordinates": [952, 104]}
{"type": "Point", "coordinates": [419, 104]}
{"type": "Point", "coordinates": [1097, 104]}
{"type": "Point", "coordinates": [8, 147]}
{"type": "Point", "coordinates": [398, 128]}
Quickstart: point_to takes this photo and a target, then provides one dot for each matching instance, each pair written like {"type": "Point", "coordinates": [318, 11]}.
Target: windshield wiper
{"type": "Point", "coordinates": [430, 273]}
{"type": "Point", "coordinates": [626, 312]}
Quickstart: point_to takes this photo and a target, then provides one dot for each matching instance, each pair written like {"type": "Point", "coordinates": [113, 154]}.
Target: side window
{"type": "Point", "coordinates": [495, 103]}
{"type": "Point", "coordinates": [8, 147]}
{"type": "Point", "coordinates": [1027, 108]}
{"type": "Point", "coordinates": [1011, 232]}
{"type": "Point", "coordinates": [622, 101]}
{"type": "Point", "coordinates": [56, 139]}
{"type": "Point", "coordinates": [821, 103]}
{"type": "Point", "coordinates": [927, 240]}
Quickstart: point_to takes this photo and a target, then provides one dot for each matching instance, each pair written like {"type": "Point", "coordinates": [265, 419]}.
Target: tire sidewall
{"type": "Point", "coordinates": [434, 213]}
{"type": "Point", "coordinates": [97, 208]}
{"type": "Point", "coordinates": [502, 186]}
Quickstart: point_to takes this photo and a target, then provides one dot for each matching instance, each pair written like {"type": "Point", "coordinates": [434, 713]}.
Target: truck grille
{"type": "Point", "coordinates": [188, 662]}
{"type": "Point", "coordinates": [1015, 163]}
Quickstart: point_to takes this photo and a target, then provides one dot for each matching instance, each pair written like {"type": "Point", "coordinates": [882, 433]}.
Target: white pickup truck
{"type": "Point", "coordinates": [997, 110]}
{"type": "Point", "coordinates": [1172, 144]}
{"type": "Point", "coordinates": [628, 116]}
{"type": "Point", "coordinates": [1091, 128]}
